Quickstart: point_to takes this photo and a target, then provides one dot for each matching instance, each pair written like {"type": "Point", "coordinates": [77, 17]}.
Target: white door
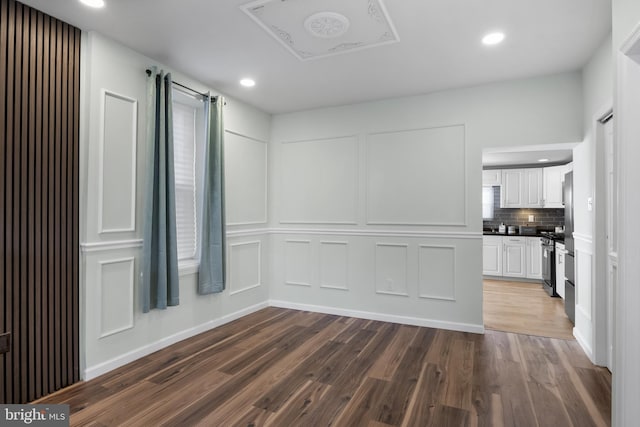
{"type": "Point", "coordinates": [515, 260]}
{"type": "Point", "coordinates": [612, 240]}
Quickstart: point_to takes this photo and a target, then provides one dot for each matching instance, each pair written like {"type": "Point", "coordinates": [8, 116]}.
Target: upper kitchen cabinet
{"type": "Point", "coordinates": [553, 180]}
{"type": "Point", "coordinates": [521, 188]}
{"type": "Point", "coordinates": [491, 177]}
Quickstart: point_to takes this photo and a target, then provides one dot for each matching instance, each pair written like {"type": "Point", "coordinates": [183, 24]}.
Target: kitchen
{"type": "Point", "coordinates": [527, 241]}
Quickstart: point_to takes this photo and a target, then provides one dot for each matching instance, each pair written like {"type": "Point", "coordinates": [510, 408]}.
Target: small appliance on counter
{"type": "Point", "coordinates": [502, 228]}
{"type": "Point", "coordinates": [511, 229]}
{"type": "Point", "coordinates": [528, 230]}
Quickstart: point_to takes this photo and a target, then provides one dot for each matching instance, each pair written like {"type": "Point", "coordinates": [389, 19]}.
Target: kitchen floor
{"type": "Point", "coordinates": [524, 308]}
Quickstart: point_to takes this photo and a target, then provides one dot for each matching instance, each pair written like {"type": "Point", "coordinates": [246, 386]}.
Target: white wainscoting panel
{"type": "Point", "coordinates": [391, 269]}
{"type": "Point", "coordinates": [437, 272]}
{"type": "Point", "coordinates": [319, 181]}
{"type": "Point", "coordinates": [245, 266]}
{"type": "Point", "coordinates": [584, 281]}
{"type": "Point", "coordinates": [334, 265]}
{"type": "Point", "coordinates": [117, 174]}
{"type": "Point", "coordinates": [245, 179]}
{"type": "Point", "coordinates": [298, 262]}
{"type": "Point", "coordinates": [116, 283]}
{"type": "Point", "coordinates": [417, 177]}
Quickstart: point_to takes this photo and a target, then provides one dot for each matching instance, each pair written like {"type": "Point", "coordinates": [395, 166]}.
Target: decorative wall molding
{"type": "Point", "coordinates": [125, 298]}
{"type": "Point", "coordinates": [585, 238]}
{"type": "Point", "coordinates": [298, 264]}
{"type": "Point", "coordinates": [393, 318]}
{"type": "Point", "coordinates": [463, 173]}
{"type": "Point", "coordinates": [90, 247]}
{"type": "Point", "coordinates": [473, 235]}
{"type": "Point", "coordinates": [422, 274]}
{"type": "Point", "coordinates": [335, 200]}
{"type": "Point", "coordinates": [247, 233]}
{"type": "Point", "coordinates": [326, 284]}
{"type": "Point", "coordinates": [102, 179]}
{"type": "Point", "coordinates": [263, 220]}
{"type": "Point", "coordinates": [385, 282]}
{"type": "Point", "coordinates": [258, 266]}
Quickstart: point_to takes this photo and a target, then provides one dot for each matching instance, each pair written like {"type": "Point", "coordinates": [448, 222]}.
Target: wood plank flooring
{"type": "Point", "coordinates": [524, 308]}
{"type": "Point", "coordinates": [280, 367]}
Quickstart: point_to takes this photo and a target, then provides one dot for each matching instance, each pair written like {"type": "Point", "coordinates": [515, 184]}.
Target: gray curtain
{"type": "Point", "coordinates": [160, 250]}
{"type": "Point", "coordinates": [211, 277]}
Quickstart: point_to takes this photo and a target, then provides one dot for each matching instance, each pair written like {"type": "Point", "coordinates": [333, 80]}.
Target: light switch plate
{"type": "Point", "coordinates": [590, 204]}
{"type": "Point", "coordinates": [531, 218]}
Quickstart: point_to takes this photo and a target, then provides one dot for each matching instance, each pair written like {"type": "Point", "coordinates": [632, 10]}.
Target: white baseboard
{"type": "Point", "coordinates": [405, 320]}
{"type": "Point", "coordinates": [104, 367]}
{"type": "Point", "coordinates": [109, 365]}
{"type": "Point", "coordinates": [585, 346]}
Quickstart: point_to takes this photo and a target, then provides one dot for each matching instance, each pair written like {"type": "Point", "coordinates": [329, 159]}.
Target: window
{"type": "Point", "coordinates": [188, 134]}
{"type": "Point", "coordinates": [487, 202]}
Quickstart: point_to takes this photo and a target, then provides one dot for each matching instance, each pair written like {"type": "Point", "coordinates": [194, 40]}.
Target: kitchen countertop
{"type": "Point", "coordinates": [495, 233]}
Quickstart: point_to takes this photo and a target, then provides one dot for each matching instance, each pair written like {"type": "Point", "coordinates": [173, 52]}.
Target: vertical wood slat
{"type": "Point", "coordinates": [39, 128]}
{"type": "Point", "coordinates": [8, 202]}
{"type": "Point", "coordinates": [4, 10]}
{"type": "Point", "coordinates": [19, 334]}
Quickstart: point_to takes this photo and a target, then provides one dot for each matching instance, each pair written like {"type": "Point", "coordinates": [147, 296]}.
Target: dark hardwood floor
{"type": "Point", "coordinates": [282, 367]}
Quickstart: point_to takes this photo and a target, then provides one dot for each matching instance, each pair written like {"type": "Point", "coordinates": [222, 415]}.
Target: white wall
{"type": "Point", "coordinates": [377, 206]}
{"type": "Point", "coordinates": [626, 51]}
{"type": "Point", "coordinates": [589, 228]}
{"type": "Point", "coordinates": [113, 164]}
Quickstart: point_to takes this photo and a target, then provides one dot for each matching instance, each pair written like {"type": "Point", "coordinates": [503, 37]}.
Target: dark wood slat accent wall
{"type": "Point", "coordinates": [39, 160]}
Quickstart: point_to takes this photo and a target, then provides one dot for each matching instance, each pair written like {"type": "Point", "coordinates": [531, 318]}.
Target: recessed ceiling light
{"type": "Point", "coordinates": [248, 82]}
{"type": "Point", "coordinates": [493, 38]}
{"type": "Point", "coordinates": [93, 3]}
{"type": "Point", "coordinates": [543, 160]}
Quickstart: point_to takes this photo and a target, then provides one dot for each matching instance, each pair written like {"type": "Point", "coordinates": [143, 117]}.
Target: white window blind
{"type": "Point", "coordinates": [487, 202]}
{"type": "Point", "coordinates": [184, 147]}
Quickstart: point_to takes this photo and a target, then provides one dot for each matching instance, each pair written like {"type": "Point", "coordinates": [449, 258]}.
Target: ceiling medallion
{"type": "Point", "coordinates": [326, 25]}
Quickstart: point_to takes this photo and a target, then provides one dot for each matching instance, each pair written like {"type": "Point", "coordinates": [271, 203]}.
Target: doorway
{"type": "Point", "coordinates": [522, 198]}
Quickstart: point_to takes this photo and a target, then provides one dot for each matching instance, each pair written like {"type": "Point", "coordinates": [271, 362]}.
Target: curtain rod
{"type": "Point", "coordinates": [213, 98]}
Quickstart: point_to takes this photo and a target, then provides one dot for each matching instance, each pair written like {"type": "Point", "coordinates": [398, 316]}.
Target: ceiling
{"type": "Point", "coordinates": [438, 45]}
{"type": "Point", "coordinates": [528, 155]}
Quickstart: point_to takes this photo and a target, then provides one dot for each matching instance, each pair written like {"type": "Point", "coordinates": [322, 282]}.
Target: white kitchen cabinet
{"type": "Point", "coordinates": [521, 188]}
{"type": "Point", "coordinates": [514, 261]}
{"type": "Point", "coordinates": [491, 177]}
{"type": "Point", "coordinates": [534, 258]}
{"type": "Point", "coordinates": [492, 255]}
{"type": "Point", "coordinates": [553, 180]}
{"type": "Point", "coordinates": [511, 193]}
{"type": "Point", "coordinates": [533, 191]}
{"type": "Point", "coordinates": [560, 256]}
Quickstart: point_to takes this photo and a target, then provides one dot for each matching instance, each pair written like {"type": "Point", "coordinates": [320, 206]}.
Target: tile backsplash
{"type": "Point", "coordinates": [544, 218]}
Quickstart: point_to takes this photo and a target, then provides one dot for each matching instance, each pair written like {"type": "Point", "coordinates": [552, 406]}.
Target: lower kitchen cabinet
{"type": "Point", "coordinates": [512, 256]}
{"type": "Point", "coordinates": [492, 255]}
{"type": "Point", "coordinates": [534, 258]}
{"type": "Point", "coordinates": [515, 259]}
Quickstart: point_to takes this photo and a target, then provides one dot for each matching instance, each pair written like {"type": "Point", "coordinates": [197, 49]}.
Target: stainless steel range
{"type": "Point", "coordinates": [549, 262]}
